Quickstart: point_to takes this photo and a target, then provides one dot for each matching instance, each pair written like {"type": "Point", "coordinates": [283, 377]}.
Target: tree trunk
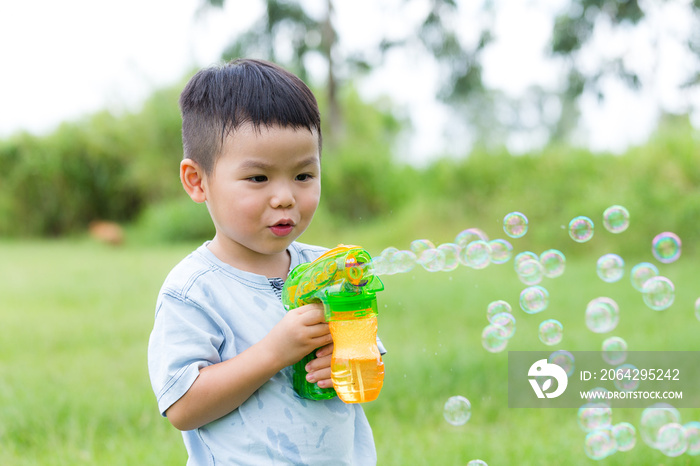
{"type": "Point", "coordinates": [335, 118]}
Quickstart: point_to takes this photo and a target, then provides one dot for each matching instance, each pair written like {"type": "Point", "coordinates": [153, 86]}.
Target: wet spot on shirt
{"type": "Point", "coordinates": [322, 436]}
{"type": "Point", "coordinates": [336, 406]}
{"type": "Point", "coordinates": [280, 441]}
{"type": "Point", "coordinates": [256, 395]}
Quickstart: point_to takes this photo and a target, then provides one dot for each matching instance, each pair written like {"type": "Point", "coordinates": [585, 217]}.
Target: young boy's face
{"type": "Point", "coordinates": [263, 191]}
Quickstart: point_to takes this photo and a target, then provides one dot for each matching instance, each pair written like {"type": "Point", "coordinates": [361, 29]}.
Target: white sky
{"type": "Point", "coordinates": [62, 59]}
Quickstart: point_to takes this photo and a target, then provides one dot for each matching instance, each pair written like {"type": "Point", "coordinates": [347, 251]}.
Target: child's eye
{"type": "Point", "coordinates": [304, 177]}
{"type": "Point", "coordinates": [258, 179]}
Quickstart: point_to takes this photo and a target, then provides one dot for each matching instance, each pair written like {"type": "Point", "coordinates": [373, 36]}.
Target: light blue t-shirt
{"type": "Point", "coordinates": [207, 312]}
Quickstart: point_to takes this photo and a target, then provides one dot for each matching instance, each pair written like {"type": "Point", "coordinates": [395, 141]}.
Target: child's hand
{"type": "Point", "coordinates": [300, 331]}
{"type": "Point", "coordinates": [319, 369]}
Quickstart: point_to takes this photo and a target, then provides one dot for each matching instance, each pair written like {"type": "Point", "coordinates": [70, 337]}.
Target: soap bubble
{"type": "Point", "coordinates": [522, 257]}
{"type": "Point", "coordinates": [506, 320]}
{"type": "Point", "coordinates": [497, 307]}
{"type": "Point", "coordinates": [520, 266]}
{"type": "Point", "coordinates": [515, 224]}
{"type": "Point", "coordinates": [581, 229]}
{"type": "Point", "coordinates": [530, 271]}
{"type": "Point", "coordinates": [641, 273]}
{"type": "Point", "coordinates": [625, 378]}
{"type": "Point", "coordinates": [501, 251]}
{"type": "Point", "coordinates": [610, 268]}
{"type": "Point", "coordinates": [493, 338]}
{"type": "Point", "coordinates": [457, 410]}
{"type": "Point", "coordinates": [534, 299]}
{"type": "Point", "coordinates": [602, 314]}
{"type": "Point", "coordinates": [553, 263]}
{"type": "Point", "coordinates": [476, 254]}
{"type": "Point", "coordinates": [388, 252]}
{"type": "Point", "coordinates": [403, 261]}
{"type": "Point", "coordinates": [697, 308]}
{"type": "Point", "coordinates": [692, 435]}
{"type": "Point", "coordinates": [614, 350]}
{"type": "Point", "coordinates": [383, 262]}
{"type": "Point", "coordinates": [616, 219]}
{"type": "Point", "coordinates": [625, 436]}
{"type": "Point", "coordinates": [451, 254]}
{"type": "Point", "coordinates": [477, 463]}
{"type": "Point", "coordinates": [594, 416]}
{"type": "Point", "coordinates": [666, 247]}
{"type": "Point", "coordinates": [671, 439]}
{"type": "Point", "coordinates": [465, 237]}
{"type": "Point", "coordinates": [653, 419]}
{"type": "Point", "coordinates": [658, 293]}
{"type": "Point", "coordinates": [551, 332]}
{"type": "Point", "coordinates": [563, 359]}
{"type": "Point", "coordinates": [428, 256]}
{"type": "Point", "coordinates": [418, 246]}
{"type": "Point", "coordinates": [380, 266]}
{"type": "Point", "coordinates": [432, 260]}
{"type": "Point", "coordinates": [599, 444]}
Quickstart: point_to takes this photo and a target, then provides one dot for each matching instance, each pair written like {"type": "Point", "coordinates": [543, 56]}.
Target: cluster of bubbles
{"type": "Point", "coordinates": [602, 437]}
{"type": "Point", "coordinates": [501, 326]}
{"type": "Point", "coordinates": [660, 426]}
{"type": "Point", "coordinates": [471, 248]}
{"type": "Point", "coordinates": [661, 429]}
{"type": "Point", "coordinates": [616, 219]}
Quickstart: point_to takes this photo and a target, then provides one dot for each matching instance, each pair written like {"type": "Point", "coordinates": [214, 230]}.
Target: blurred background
{"type": "Point", "coordinates": [439, 115]}
{"type": "Point", "coordinates": [472, 103]}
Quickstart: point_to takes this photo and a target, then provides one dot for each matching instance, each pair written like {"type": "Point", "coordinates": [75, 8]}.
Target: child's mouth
{"type": "Point", "coordinates": [282, 228]}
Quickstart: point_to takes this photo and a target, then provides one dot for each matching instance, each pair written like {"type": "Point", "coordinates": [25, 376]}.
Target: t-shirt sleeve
{"type": "Point", "coordinates": [185, 338]}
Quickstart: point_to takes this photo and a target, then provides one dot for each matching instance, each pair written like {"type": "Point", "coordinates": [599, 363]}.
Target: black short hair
{"type": "Point", "coordinates": [219, 99]}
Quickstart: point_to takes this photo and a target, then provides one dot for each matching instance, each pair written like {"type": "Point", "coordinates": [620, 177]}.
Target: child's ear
{"type": "Point", "coordinates": [192, 178]}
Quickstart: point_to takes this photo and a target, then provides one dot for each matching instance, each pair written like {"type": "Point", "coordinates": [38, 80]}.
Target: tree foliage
{"type": "Point", "coordinates": [489, 114]}
{"type": "Point", "coordinates": [576, 27]}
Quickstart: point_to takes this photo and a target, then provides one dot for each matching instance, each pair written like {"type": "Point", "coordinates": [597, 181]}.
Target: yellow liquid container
{"type": "Point", "coordinates": [357, 369]}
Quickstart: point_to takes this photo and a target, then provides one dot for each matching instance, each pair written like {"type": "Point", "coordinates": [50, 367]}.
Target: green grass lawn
{"type": "Point", "coordinates": [74, 388]}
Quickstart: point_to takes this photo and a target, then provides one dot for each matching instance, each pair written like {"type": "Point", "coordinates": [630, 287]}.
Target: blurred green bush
{"type": "Point", "coordinates": [103, 167]}
{"type": "Point", "coordinates": [124, 168]}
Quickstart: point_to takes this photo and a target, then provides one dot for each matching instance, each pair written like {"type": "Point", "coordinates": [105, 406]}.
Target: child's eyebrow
{"type": "Point", "coordinates": [259, 165]}
{"type": "Point", "coordinates": [254, 165]}
{"type": "Point", "coordinates": [308, 161]}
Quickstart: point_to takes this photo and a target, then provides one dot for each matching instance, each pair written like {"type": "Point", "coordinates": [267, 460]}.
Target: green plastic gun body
{"type": "Point", "coordinates": [343, 281]}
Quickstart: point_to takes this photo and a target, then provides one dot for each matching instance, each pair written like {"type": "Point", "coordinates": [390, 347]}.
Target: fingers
{"type": "Point", "coordinates": [319, 369]}
{"type": "Point", "coordinates": [321, 378]}
{"type": "Point", "coordinates": [322, 359]}
{"type": "Point", "coordinates": [312, 317]}
{"type": "Point", "coordinates": [321, 336]}
{"type": "Point", "coordinates": [311, 313]}
{"type": "Point", "coordinates": [305, 327]}
{"type": "Point", "coordinates": [325, 351]}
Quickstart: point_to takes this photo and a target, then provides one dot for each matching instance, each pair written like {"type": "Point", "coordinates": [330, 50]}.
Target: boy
{"type": "Point", "coordinates": [222, 343]}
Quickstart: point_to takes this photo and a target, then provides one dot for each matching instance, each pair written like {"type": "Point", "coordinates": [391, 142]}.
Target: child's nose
{"type": "Point", "coordinates": [283, 197]}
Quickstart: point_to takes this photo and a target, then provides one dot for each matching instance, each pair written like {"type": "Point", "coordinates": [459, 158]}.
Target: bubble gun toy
{"type": "Point", "coordinates": [341, 279]}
